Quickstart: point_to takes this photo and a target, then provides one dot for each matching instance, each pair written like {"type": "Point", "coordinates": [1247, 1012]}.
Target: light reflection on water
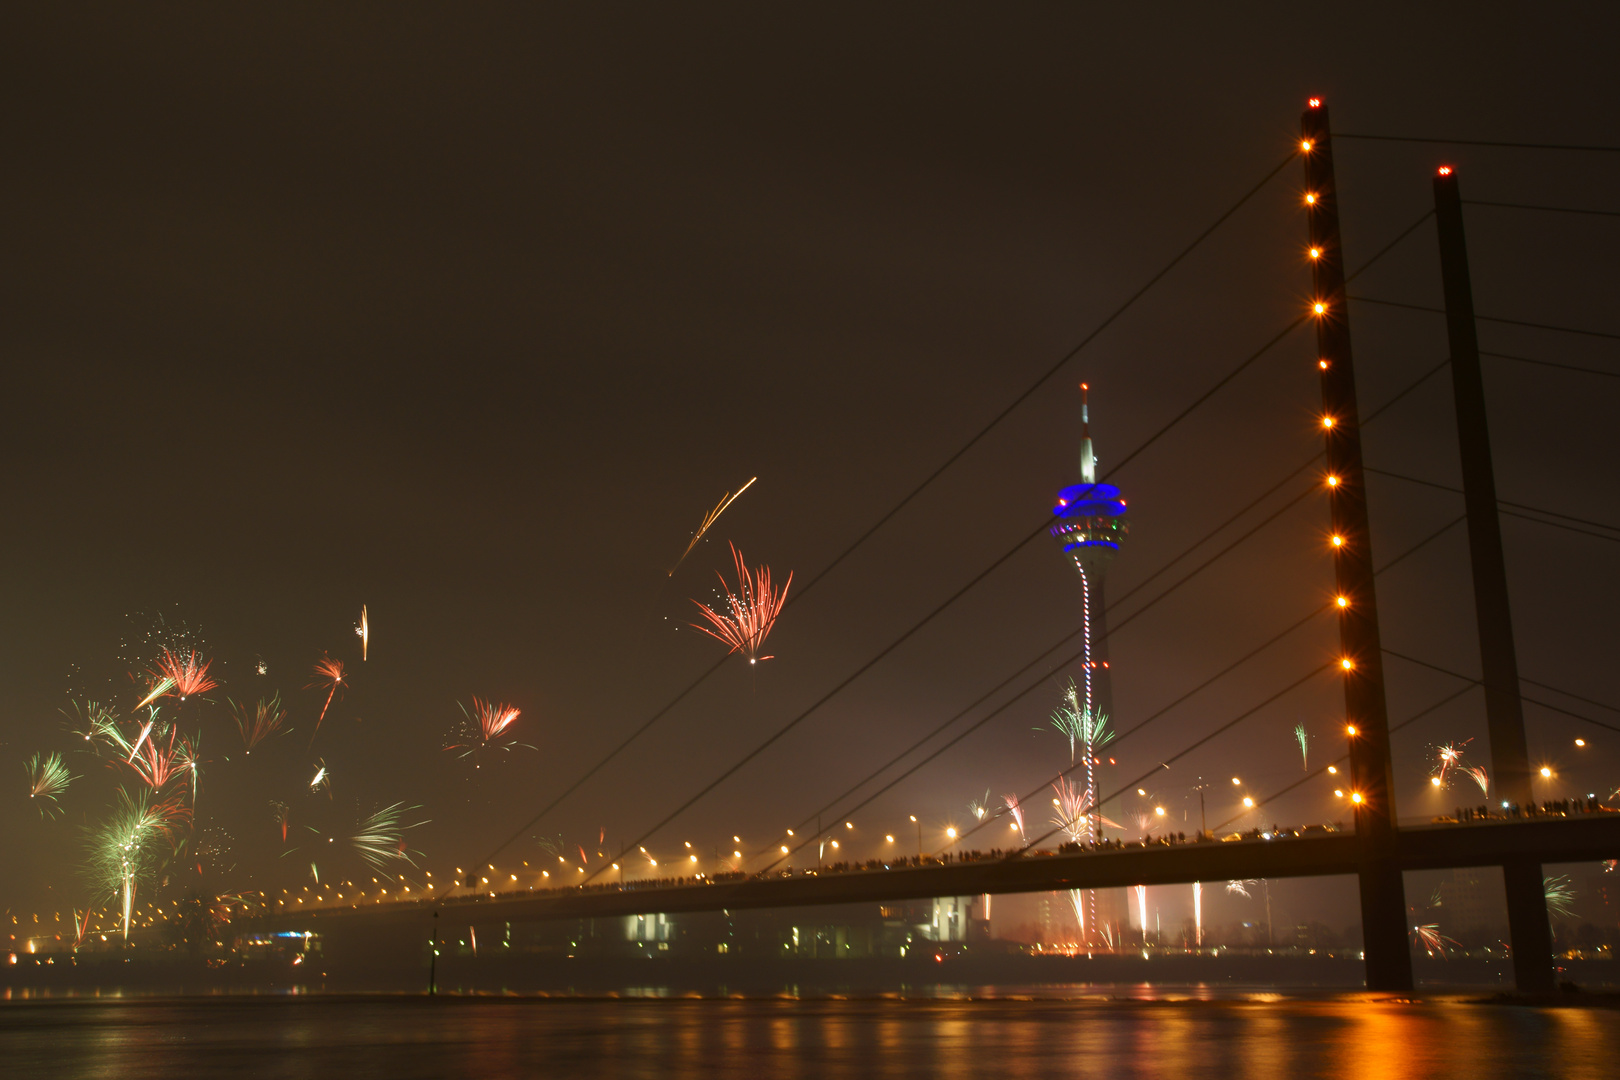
{"type": "Point", "coordinates": [1138, 1033]}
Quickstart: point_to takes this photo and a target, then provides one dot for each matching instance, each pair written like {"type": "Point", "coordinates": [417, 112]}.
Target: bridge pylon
{"type": "Point", "coordinates": [1528, 926]}
{"type": "Point", "coordinates": [1383, 895]}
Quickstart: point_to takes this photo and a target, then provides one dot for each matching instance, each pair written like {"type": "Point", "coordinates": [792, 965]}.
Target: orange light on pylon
{"type": "Point", "coordinates": [1316, 253]}
{"type": "Point", "coordinates": [1319, 308]}
{"type": "Point", "coordinates": [1305, 146]}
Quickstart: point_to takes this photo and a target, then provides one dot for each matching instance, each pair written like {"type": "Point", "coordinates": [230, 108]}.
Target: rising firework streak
{"type": "Point", "coordinates": [709, 519]}
{"type": "Point", "coordinates": [159, 688]}
{"type": "Point", "coordinates": [364, 632]}
{"type": "Point", "coordinates": [328, 673]}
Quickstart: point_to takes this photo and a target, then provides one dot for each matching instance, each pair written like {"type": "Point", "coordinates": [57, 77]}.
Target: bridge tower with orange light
{"type": "Point", "coordinates": [1361, 658]}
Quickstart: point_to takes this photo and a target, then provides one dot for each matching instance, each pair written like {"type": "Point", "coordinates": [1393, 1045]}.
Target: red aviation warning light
{"type": "Point", "coordinates": [1445, 170]}
{"type": "Point", "coordinates": [1315, 103]}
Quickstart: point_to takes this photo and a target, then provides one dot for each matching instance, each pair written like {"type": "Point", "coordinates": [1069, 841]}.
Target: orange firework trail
{"type": "Point", "coordinates": [709, 519]}
{"type": "Point", "coordinates": [328, 673]}
{"type": "Point", "coordinates": [363, 630]}
{"type": "Point", "coordinates": [189, 675]}
{"type": "Point", "coordinates": [751, 610]}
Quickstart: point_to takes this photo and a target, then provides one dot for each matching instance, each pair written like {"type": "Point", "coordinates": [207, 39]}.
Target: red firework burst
{"type": "Point", "coordinates": [328, 673]}
{"type": "Point", "coordinates": [163, 755]}
{"type": "Point", "coordinates": [488, 724]}
{"type": "Point", "coordinates": [751, 610]}
{"type": "Point", "coordinates": [189, 674]}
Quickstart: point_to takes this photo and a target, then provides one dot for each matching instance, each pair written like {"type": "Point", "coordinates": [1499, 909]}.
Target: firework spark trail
{"type": "Point", "coordinates": [979, 807]}
{"type": "Point", "coordinates": [125, 851]}
{"type": "Point", "coordinates": [363, 631]}
{"type": "Point", "coordinates": [1077, 900]}
{"type": "Point", "coordinates": [259, 722]}
{"type": "Point", "coordinates": [1240, 886]}
{"type": "Point", "coordinates": [156, 689]}
{"type": "Point", "coordinates": [328, 673]}
{"type": "Point", "coordinates": [1089, 729]}
{"type": "Point", "coordinates": [188, 676]}
{"type": "Point", "coordinates": [1074, 805]}
{"type": "Point", "coordinates": [1560, 895]}
{"type": "Point", "coordinates": [81, 928]}
{"type": "Point", "coordinates": [93, 722]}
{"type": "Point", "coordinates": [321, 779]}
{"type": "Point", "coordinates": [709, 519]}
{"type": "Point", "coordinates": [1448, 757]}
{"type": "Point", "coordinates": [1017, 813]}
{"type": "Point", "coordinates": [162, 757]}
{"type": "Point", "coordinates": [381, 838]}
{"type": "Point", "coordinates": [146, 729]}
{"type": "Point", "coordinates": [487, 725]}
{"type": "Point", "coordinates": [1304, 740]}
{"type": "Point", "coordinates": [1477, 775]}
{"type": "Point", "coordinates": [752, 610]}
{"type": "Point", "coordinates": [280, 812]}
{"type": "Point", "coordinates": [1076, 813]}
{"type": "Point", "coordinates": [48, 778]}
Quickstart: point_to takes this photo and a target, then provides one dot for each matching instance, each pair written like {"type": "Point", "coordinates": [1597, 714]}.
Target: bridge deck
{"type": "Point", "coordinates": [1548, 840]}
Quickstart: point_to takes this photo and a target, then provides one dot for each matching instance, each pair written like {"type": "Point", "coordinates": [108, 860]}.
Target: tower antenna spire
{"type": "Point", "coordinates": [1088, 459]}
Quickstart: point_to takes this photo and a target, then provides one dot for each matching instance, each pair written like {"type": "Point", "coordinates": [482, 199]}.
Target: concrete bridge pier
{"type": "Point", "coordinates": [1383, 927]}
{"type": "Point", "coordinates": [1529, 931]}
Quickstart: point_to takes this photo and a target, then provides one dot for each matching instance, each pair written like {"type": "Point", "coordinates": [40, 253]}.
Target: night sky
{"type": "Point", "coordinates": [470, 315]}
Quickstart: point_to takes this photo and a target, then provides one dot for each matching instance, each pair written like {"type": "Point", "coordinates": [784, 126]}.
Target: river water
{"type": "Point", "coordinates": [1162, 1033]}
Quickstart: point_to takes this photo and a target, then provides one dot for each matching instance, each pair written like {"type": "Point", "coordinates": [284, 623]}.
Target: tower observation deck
{"type": "Point", "coordinates": [1090, 526]}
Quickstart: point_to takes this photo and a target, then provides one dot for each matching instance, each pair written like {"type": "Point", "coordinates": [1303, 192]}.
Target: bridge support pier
{"type": "Point", "coordinates": [1529, 931]}
{"type": "Point", "coordinates": [1383, 927]}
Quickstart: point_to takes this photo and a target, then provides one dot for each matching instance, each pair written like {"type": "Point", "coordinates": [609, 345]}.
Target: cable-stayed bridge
{"type": "Point", "coordinates": [1514, 830]}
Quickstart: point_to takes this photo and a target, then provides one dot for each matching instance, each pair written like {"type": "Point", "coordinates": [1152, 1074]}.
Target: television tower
{"type": "Point", "coordinates": [1090, 526]}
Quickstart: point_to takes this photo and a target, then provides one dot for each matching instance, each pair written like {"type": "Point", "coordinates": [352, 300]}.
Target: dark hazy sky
{"type": "Point", "coordinates": [469, 313]}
